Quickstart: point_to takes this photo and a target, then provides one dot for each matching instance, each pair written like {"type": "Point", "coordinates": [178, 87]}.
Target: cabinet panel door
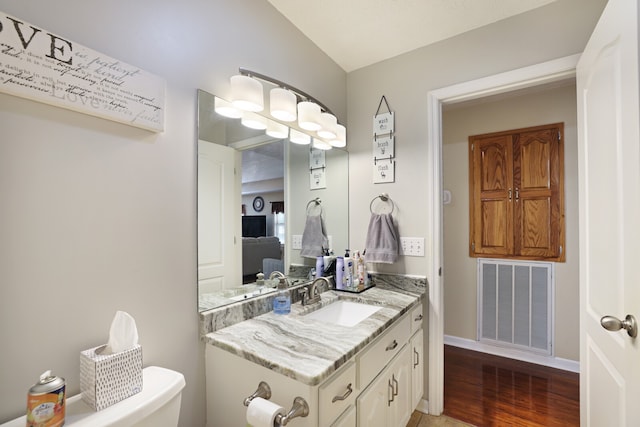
{"type": "Point", "coordinates": [417, 366]}
{"type": "Point", "coordinates": [537, 188]}
{"type": "Point", "coordinates": [401, 375]}
{"type": "Point", "coordinates": [491, 192]}
{"type": "Point", "coordinates": [374, 403]}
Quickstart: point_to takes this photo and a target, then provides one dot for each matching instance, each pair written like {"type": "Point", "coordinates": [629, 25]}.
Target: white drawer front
{"type": "Point", "coordinates": [375, 357]}
{"type": "Point", "coordinates": [416, 318]}
{"type": "Point", "coordinates": [337, 394]}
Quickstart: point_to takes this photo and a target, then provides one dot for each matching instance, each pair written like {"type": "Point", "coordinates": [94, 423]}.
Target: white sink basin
{"type": "Point", "coordinates": [345, 313]}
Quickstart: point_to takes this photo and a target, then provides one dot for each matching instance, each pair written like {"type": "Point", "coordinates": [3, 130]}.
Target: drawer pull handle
{"type": "Point", "coordinates": [417, 358]}
{"type": "Point", "coordinates": [389, 400]}
{"type": "Point", "coordinates": [344, 396]}
{"type": "Point", "coordinates": [418, 318]}
{"type": "Point", "coordinates": [395, 384]}
{"type": "Point", "coordinates": [392, 346]}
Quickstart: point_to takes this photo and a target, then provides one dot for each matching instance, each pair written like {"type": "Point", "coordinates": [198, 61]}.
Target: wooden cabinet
{"type": "Point", "coordinates": [516, 192]}
{"type": "Point", "coordinates": [417, 368]}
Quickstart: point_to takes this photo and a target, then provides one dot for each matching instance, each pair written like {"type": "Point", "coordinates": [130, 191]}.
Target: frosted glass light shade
{"type": "Point", "coordinates": [320, 144]}
{"type": "Point", "coordinates": [246, 93]}
{"type": "Point", "coordinates": [309, 115]}
{"type": "Point", "coordinates": [298, 137]}
{"type": "Point", "coordinates": [282, 104]}
{"type": "Point", "coordinates": [328, 123]}
{"type": "Point", "coordinates": [226, 109]}
{"type": "Point", "coordinates": [341, 137]}
{"type": "Point", "coordinates": [253, 120]}
{"type": "Point", "coordinates": [277, 130]}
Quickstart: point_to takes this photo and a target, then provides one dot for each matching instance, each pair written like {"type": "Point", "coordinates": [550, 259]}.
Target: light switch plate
{"type": "Point", "coordinates": [296, 241]}
{"type": "Point", "coordinates": [412, 246]}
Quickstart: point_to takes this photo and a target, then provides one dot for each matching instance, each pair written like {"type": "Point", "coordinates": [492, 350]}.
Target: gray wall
{"type": "Point", "coordinates": [98, 216]}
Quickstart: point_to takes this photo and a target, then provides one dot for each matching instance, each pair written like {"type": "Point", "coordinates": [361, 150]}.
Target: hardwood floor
{"type": "Point", "coordinates": [487, 390]}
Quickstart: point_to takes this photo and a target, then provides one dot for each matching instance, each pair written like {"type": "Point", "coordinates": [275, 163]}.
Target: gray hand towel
{"type": "Point", "coordinates": [382, 240]}
{"type": "Point", "coordinates": [314, 237]}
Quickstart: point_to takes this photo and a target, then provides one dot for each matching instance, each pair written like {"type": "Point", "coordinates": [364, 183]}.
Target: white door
{"type": "Point", "coordinates": [609, 168]}
{"type": "Point", "coordinates": [218, 217]}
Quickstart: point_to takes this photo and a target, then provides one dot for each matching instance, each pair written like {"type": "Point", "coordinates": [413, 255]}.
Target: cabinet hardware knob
{"type": "Point", "coordinates": [344, 396]}
{"type": "Point", "coordinates": [418, 318]}
{"type": "Point", "coordinates": [392, 346]}
{"type": "Point", "coordinates": [417, 358]}
{"type": "Point", "coordinates": [395, 384]}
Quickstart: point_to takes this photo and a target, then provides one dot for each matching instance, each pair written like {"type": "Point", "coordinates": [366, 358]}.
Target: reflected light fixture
{"type": "Point", "coordinates": [277, 130]}
{"type": "Point", "coordinates": [253, 120]}
{"type": "Point", "coordinates": [298, 137]}
{"type": "Point", "coordinates": [282, 104]}
{"type": "Point", "coordinates": [320, 144]}
{"type": "Point", "coordinates": [226, 109]}
{"type": "Point", "coordinates": [246, 93]}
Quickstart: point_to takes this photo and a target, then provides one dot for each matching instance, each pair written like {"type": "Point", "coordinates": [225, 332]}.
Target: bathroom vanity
{"type": "Point", "coordinates": [366, 374]}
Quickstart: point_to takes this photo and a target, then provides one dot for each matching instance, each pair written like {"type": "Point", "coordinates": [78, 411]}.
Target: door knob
{"type": "Point", "coordinates": [611, 323]}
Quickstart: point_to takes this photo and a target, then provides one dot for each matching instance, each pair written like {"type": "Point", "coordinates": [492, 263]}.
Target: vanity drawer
{"type": "Point", "coordinates": [334, 395]}
{"type": "Point", "coordinates": [416, 318]}
{"type": "Point", "coordinates": [374, 358]}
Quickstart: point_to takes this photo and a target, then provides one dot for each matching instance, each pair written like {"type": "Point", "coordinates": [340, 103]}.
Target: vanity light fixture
{"type": "Point", "coordinates": [246, 93]}
{"type": "Point", "coordinates": [282, 104]}
{"type": "Point", "coordinates": [328, 123]}
{"type": "Point", "coordinates": [286, 104]}
{"type": "Point", "coordinates": [341, 137]}
{"type": "Point", "coordinates": [298, 137]}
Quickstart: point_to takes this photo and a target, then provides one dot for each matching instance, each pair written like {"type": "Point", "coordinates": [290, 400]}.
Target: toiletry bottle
{"type": "Point", "coordinates": [360, 273]}
{"type": "Point", "coordinates": [319, 266]}
{"type": "Point", "coordinates": [339, 272]}
{"type": "Point", "coordinates": [260, 282]}
{"type": "Point", "coordinates": [282, 300]}
{"type": "Point", "coordinates": [348, 271]}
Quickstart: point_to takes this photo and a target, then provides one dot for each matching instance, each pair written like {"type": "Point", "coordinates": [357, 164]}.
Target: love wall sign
{"type": "Point", "coordinates": [44, 67]}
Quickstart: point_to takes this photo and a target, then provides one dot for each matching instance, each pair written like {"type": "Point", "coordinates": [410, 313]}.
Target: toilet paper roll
{"type": "Point", "coordinates": [262, 413]}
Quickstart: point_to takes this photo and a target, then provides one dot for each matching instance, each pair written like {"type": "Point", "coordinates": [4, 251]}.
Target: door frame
{"type": "Point", "coordinates": [535, 75]}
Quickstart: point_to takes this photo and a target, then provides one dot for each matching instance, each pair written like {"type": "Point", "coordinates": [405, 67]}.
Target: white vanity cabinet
{"type": "Point", "coordinates": [378, 386]}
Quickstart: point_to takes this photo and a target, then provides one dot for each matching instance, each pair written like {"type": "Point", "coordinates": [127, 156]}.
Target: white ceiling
{"type": "Point", "coordinates": [357, 33]}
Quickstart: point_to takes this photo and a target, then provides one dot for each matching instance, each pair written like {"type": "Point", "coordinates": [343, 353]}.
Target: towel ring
{"type": "Point", "coordinates": [385, 198]}
{"type": "Point", "coordinates": [315, 202]}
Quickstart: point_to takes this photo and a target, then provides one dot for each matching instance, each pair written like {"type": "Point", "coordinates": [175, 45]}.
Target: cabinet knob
{"type": "Point", "coordinates": [392, 346]}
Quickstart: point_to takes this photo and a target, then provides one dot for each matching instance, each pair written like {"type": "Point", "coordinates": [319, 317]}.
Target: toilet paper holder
{"type": "Point", "coordinates": [300, 407]}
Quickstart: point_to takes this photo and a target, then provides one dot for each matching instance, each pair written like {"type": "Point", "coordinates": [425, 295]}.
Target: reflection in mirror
{"type": "Point", "coordinates": [269, 200]}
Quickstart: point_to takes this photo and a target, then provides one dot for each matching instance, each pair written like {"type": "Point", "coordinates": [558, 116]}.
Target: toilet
{"type": "Point", "coordinates": [157, 405]}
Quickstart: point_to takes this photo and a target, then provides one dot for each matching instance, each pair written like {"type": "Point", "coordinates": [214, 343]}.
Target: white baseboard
{"type": "Point", "coordinates": [423, 406]}
{"type": "Point", "coordinates": [550, 361]}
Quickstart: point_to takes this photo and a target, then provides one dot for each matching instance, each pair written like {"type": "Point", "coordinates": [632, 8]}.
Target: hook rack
{"type": "Point", "coordinates": [385, 198]}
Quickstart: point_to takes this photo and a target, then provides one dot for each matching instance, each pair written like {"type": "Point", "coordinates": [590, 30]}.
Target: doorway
{"type": "Point", "coordinates": [528, 77]}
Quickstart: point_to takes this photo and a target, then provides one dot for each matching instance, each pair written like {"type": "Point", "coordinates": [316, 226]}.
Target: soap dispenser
{"type": "Point", "coordinates": [282, 301]}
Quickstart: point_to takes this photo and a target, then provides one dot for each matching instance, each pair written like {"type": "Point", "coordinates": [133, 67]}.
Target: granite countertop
{"type": "Point", "coordinates": [305, 349]}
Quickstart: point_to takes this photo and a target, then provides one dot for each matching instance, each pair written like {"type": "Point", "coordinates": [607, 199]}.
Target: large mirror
{"type": "Point", "coordinates": [270, 196]}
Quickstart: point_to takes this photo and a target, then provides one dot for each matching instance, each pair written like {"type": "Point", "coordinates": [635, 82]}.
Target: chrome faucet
{"type": "Point", "coordinates": [277, 274]}
{"type": "Point", "coordinates": [311, 294]}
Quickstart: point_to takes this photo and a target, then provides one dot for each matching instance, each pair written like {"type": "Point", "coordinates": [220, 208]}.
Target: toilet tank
{"type": "Point", "coordinates": [157, 405]}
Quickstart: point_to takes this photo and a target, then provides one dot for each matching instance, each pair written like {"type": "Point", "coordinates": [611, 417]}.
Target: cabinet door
{"type": "Point", "coordinates": [348, 419]}
{"type": "Point", "coordinates": [491, 161]}
{"type": "Point", "coordinates": [538, 183]}
{"type": "Point", "coordinates": [374, 403]}
{"type": "Point", "coordinates": [401, 374]}
{"type": "Point", "coordinates": [417, 366]}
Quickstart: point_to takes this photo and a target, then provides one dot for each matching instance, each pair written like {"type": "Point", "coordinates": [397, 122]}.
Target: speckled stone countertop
{"type": "Point", "coordinates": [306, 349]}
